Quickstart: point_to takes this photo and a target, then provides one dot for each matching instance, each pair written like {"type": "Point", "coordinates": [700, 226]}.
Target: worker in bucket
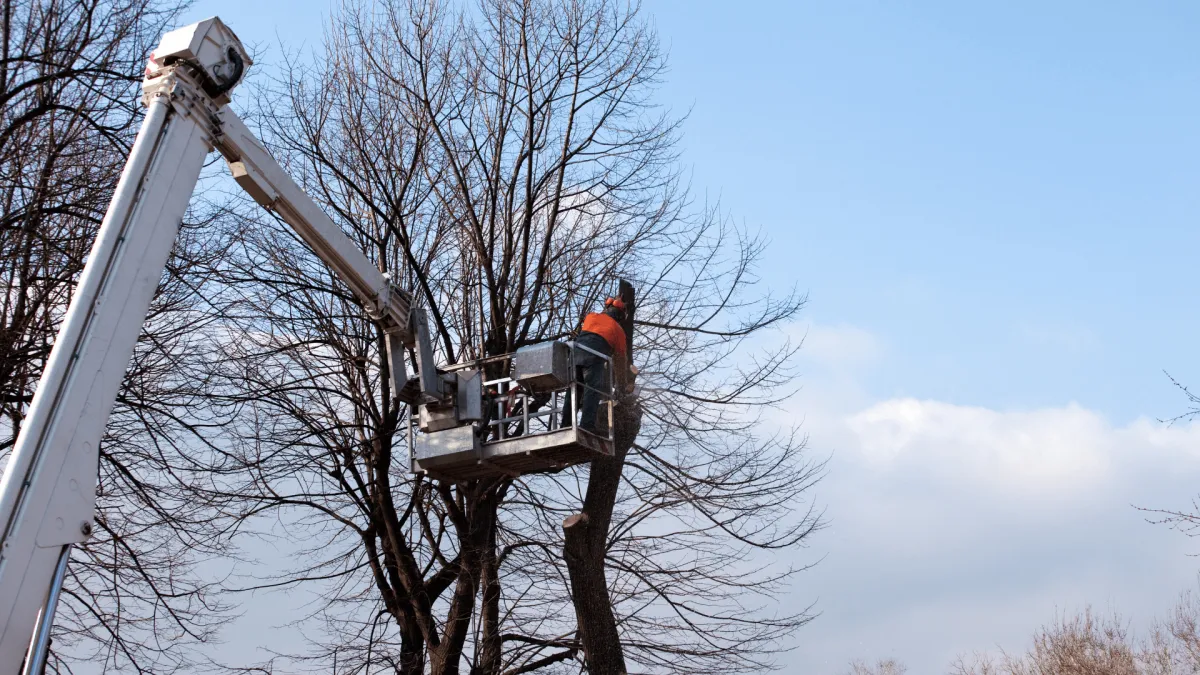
{"type": "Point", "coordinates": [602, 333]}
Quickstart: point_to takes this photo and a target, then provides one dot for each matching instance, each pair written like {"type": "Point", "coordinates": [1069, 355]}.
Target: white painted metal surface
{"type": "Point", "coordinates": [48, 491]}
{"type": "Point", "coordinates": [520, 429]}
{"type": "Point", "coordinates": [39, 646]}
{"type": "Point", "coordinates": [261, 176]}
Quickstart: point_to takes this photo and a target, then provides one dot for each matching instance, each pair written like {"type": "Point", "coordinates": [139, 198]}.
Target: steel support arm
{"type": "Point", "coordinates": [48, 491]}
{"type": "Point", "coordinates": [265, 180]}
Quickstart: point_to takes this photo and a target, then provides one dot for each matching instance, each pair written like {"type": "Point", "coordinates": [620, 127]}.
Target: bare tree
{"type": "Point", "coordinates": [69, 110]}
{"type": "Point", "coordinates": [508, 164]}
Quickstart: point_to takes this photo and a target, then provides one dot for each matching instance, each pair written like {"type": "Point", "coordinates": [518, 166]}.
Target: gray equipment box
{"type": "Point", "coordinates": [455, 445]}
{"type": "Point", "coordinates": [543, 367]}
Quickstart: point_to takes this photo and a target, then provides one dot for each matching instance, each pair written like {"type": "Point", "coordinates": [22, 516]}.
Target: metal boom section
{"type": "Point", "coordinates": [48, 492]}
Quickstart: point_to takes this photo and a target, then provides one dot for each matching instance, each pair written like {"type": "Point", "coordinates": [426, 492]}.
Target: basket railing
{"type": "Point", "coordinates": [513, 412]}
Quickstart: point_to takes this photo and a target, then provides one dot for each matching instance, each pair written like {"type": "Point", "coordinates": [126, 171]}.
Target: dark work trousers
{"type": "Point", "coordinates": [590, 370]}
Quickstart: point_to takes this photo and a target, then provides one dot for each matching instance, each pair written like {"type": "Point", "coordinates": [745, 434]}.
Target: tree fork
{"type": "Point", "coordinates": [585, 534]}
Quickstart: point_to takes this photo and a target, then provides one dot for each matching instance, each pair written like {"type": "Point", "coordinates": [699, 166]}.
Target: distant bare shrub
{"type": "Point", "coordinates": [977, 664]}
{"type": "Point", "coordinates": [1088, 644]}
{"type": "Point", "coordinates": [882, 667]}
{"type": "Point", "coordinates": [1083, 645]}
{"type": "Point", "coordinates": [1173, 647]}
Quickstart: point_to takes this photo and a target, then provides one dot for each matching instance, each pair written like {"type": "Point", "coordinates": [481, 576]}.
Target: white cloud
{"type": "Point", "coordinates": [959, 527]}
{"type": "Point", "coordinates": [1049, 450]}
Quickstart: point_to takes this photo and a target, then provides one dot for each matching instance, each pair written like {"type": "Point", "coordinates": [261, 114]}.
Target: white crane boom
{"type": "Point", "coordinates": [48, 492]}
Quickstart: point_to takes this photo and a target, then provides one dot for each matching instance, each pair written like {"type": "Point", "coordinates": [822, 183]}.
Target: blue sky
{"type": "Point", "coordinates": [993, 208]}
{"type": "Point", "coordinates": [1006, 196]}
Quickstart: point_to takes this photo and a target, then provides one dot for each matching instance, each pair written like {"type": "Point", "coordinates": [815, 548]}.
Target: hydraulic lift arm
{"type": "Point", "coordinates": [48, 492]}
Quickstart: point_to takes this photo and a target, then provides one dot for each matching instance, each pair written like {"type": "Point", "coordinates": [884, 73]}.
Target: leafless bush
{"type": "Point", "coordinates": [882, 667]}
{"type": "Point", "coordinates": [975, 664]}
{"type": "Point", "coordinates": [1088, 644]}
{"type": "Point", "coordinates": [1083, 645]}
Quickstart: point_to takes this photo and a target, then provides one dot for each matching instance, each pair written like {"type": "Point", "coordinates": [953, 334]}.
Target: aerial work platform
{"type": "Point", "coordinates": [521, 426]}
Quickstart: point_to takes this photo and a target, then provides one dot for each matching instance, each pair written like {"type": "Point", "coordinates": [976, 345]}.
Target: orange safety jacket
{"type": "Point", "coordinates": [606, 327]}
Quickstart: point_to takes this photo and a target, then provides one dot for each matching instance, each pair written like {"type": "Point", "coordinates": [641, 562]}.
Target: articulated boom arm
{"type": "Point", "coordinates": [261, 176]}
{"type": "Point", "coordinates": [48, 492]}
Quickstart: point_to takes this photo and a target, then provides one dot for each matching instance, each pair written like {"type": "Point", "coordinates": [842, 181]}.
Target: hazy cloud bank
{"type": "Point", "coordinates": [957, 527]}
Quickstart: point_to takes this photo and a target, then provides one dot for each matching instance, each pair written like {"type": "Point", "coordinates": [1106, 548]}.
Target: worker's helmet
{"type": "Point", "coordinates": [615, 307]}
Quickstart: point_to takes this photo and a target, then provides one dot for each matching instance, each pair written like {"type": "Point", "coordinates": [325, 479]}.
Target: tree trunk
{"type": "Point", "coordinates": [585, 542]}
{"type": "Point", "coordinates": [478, 534]}
{"type": "Point", "coordinates": [490, 644]}
{"type": "Point", "coordinates": [412, 649]}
